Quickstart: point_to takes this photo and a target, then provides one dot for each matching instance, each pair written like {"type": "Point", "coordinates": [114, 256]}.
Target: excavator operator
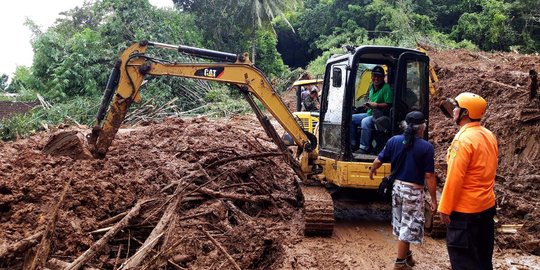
{"type": "Point", "coordinates": [380, 99]}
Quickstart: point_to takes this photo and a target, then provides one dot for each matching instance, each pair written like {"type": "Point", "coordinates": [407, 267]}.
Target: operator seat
{"type": "Point", "coordinates": [383, 129]}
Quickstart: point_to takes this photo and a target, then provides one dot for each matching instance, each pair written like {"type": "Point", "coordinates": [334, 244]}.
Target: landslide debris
{"type": "Point", "coordinates": [235, 197]}
{"type": "Point", "coordinates": [70, 143]}
{"type": "Point", "coordinates": [504, 80]}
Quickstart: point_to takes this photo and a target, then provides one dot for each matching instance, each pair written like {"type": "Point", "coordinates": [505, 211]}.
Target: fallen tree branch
{"type": "Point", "coordinates": [117, 257]}
{"type": "Point", "coordinates": [97, 246]}
{"type": "Point", "coordinates": [534, 84]}
{"type": "Point", "coordinates": [190, 176]}
{"type": "Point", "coordinates": [248, 156]}
{"type": "Point", "coordinates": [530, 115]}
{"type": "Point", "coordinates": [276, 202]}
{"type": "Point", "coordinates": [151, 264]}
{"type": "Point", "coordinates": [58, 264]}
{"type": "Point", "coordinates": [135, 260]}
{"type": "Point", "coordinates": [111, 219]}
{"type": "Point", "coordinates": [499, 83]}
{"type": "Point", "coordinates": [195, 215]}
{"type": "Point", "coordinates": [9, 251]}
{"type": "Point", "coordinates": [244, 198]}
{"type": "Point", "coordinates": [221, 248]}
{"type": "Point", "coordinates": [42, 253]}
{"type": "Point", "coordinates": [241, 217]}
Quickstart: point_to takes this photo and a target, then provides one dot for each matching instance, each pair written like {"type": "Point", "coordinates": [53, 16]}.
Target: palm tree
{"type": "Point", "coordinates": [262, 12]}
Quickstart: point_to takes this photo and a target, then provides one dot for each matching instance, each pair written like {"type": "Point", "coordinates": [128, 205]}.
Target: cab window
{"type": "Point", "coordinates": [331, 127]}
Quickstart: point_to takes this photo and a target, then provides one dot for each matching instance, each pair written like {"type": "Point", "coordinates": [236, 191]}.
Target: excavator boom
{"type": "Point", "coordinates": [123, 88]}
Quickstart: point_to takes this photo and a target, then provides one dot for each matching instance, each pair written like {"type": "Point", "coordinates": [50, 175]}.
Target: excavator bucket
{"type": "Point", "coordinates": [68, 143]}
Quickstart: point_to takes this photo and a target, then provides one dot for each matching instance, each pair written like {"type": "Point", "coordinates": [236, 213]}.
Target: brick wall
{"type": "Point", "coordinates": [10, 108]}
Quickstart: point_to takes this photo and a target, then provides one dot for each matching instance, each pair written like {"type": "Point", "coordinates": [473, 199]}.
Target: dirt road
{"type": "Point", "coordinates": [366, 244]}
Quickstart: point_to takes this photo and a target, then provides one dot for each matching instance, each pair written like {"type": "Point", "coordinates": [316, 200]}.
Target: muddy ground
{"type": "Point", "coordinates": [227, 198]}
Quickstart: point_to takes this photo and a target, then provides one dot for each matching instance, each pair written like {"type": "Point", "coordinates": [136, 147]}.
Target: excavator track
{"type": "Point", "coordinates": [433, 225]}
{"type": "Point", "coordinates": [318, 210]}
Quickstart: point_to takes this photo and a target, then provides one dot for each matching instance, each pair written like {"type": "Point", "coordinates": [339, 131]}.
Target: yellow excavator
{"type": "Point", "coordinates": [324, 158]}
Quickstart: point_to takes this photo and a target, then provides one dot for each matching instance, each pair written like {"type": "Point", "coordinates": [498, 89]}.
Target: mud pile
{"type": "Point", "coordinates": [235, 197]}
{"type": "Point", "coordinates": [503, 80]}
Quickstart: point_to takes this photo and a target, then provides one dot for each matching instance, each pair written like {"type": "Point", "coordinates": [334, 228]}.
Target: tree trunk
{"type": "Point", "coordinates": [253, 41]}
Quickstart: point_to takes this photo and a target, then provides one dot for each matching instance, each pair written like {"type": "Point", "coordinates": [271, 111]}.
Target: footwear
{"type": "Point", "coordinates": [360, 151]}
{"type": "Point", "coordinates": [410, 260]}
{"type": "Point", "coordinates": [402, 266]}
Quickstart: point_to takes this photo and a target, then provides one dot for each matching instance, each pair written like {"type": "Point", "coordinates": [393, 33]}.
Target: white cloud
{"type": "Point", "coordinates": [15, 46]}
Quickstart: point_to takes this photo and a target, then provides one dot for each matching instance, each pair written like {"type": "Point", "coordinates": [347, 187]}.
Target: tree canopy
{"type": "Point", "coordinates": [72, 58]}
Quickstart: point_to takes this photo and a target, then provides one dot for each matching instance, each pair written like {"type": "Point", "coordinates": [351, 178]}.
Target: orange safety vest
{"type": "Point", "coordinates": [472, 166]}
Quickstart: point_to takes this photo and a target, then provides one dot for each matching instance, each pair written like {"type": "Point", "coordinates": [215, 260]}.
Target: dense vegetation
{"type": "Point", "coordinates": [72, 58]}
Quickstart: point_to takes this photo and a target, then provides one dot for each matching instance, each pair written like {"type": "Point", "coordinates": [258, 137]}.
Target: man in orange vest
{"type": "Point", "coordinates": [467, 203]}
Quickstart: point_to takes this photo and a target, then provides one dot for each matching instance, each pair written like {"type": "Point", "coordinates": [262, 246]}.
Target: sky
{"type": "Point", "coordinates": [15, 48]}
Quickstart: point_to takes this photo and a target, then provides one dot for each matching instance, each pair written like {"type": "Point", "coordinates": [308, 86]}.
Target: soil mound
{"type": "Point", "coordinates": [235, 195]}
{"type": "Point", "coordinates": [503, 80]}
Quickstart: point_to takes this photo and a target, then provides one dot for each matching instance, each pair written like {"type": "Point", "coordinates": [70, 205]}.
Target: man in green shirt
{"type": "Point", "coordinates": [380, 98]}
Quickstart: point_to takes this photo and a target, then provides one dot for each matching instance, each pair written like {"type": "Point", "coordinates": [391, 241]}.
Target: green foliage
{"type": "Point", "coordinates": [309, 24]}
{"type": "Point", "coordinates": [440, 38]}
{"type": "Point", "coordinates": [77, 111]}
{"type": "Point", "coordinates": [221, 102]}
{"type": "Point", "coordinates": [268, 57]}
{"type": "Point", "coordinates": [318, 65]}
{"type": "Point", "coordinates": [24, 84]}
{"type": "Point", "coordinates": [490, 28]}
{"type": "Point", "coordinates": [73, 58]}
{"type": "Point", "coordinates": [217, 23]}
{"type": "Point", "coordinates": [526, 22]}
{"type": "Point", "coordinates": [77, 73]}
{"type": "Point", "coordinates": [261, 13]}
{"type": "Point", "coordinates": [18, 126]}
{"type": "Point", "coordinates": [486, 24]}
{"type": "Point", "coordinates": [350, 33]}
{"type": "Point", "coordinates": [236, 26]}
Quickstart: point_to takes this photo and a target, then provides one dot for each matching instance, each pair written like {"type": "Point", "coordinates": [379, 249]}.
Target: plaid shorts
{"type": "Point", "coordinates": [408, 213]}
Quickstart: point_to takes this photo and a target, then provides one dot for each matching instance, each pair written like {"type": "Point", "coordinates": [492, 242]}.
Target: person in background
{"type": "Point", "coordinates": [304, 93]}
{"type": "Point", "coordinates": [416, 170]}
{"type": "Point", "coordinates": [467, 203]}
{"type": "Point", "coordinates": [380, 98]}
{"type": "Point", "coordinates": [312, 101]}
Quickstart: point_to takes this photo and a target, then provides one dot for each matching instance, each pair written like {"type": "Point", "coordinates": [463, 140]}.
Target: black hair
{"type": "Point", "coordinates": [410, 136]}
{"type": "Point", "coordinates": [409, 131]}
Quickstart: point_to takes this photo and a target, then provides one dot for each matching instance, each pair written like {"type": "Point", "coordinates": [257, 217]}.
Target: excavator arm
{"type": "Point", "coordinates": [123, 88]}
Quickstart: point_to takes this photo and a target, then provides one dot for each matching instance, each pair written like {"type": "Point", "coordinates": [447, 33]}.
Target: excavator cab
{"type": "Point", "coordinates": [346, 80]}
